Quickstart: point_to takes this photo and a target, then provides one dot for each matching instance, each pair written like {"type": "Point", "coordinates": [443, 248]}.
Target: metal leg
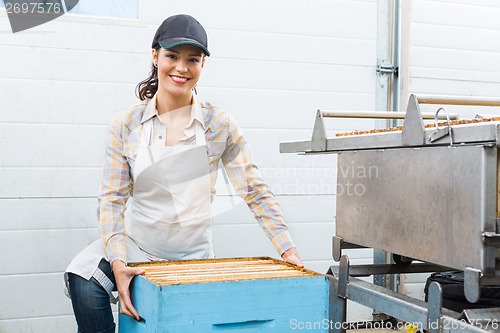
{"type": "Point", "coordinates": [338, 244]}
{"type": "Point", "coordinates": [379, 258]}
{"type": "Point", "coordinates": [336, 248]}
{"type": "Point", "coordinates": [343, 276]}
{"type": "Point", "coordinates": [434, 310]}
{"type": "Point", "coordinates": [472, 288]}
{"type": "Point", "coordinates": [338, 309]}
{"type": "Point", "coordinates": [338, 297]}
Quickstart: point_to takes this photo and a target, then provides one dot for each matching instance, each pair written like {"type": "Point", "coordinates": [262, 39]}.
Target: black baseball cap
{"type": "Point", "coordinates": [180, 30]}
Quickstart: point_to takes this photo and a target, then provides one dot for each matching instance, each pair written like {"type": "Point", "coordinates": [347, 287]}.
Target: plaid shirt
{"type": "Point", "coordinates": [224, 142]}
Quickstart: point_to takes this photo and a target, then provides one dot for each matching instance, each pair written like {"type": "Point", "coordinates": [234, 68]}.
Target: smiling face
{"type": "Point", "coordinates": [179, 69]}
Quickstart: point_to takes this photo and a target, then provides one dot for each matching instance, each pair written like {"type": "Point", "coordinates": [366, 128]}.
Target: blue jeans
{"type": "Point", "coordinates": [91, 302]}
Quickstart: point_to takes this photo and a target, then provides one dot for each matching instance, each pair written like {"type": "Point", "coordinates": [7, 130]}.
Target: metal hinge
{"type": "Point", "coordinates": [386, 68]}
{"type": "Point", "coordinates": [491, 238]}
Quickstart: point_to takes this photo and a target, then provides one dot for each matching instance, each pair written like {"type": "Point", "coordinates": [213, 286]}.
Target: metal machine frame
{"type": "Point", "coordinates": [481, 138]}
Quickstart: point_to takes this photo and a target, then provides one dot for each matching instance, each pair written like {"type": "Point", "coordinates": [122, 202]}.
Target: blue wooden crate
{"type": "Point", "coordinates": [286, 299]}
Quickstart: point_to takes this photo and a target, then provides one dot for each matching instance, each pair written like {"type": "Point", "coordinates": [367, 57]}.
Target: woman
{"type": "Point", "coordinates": [163, 154]}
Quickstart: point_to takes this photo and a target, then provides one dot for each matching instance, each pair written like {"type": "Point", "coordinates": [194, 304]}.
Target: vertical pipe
{"type": "Point", "coordinates": [382, 98]}
{"type": "Point", "coordinates": [404, 53]}
{"type": "Point", "coordinates": [396, 55]}
{"type": "Point", "coordinates": [382, 87]}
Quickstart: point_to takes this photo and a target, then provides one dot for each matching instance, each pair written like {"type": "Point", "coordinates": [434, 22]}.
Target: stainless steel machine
{"type": "Point", "coordinates": [422, 192]}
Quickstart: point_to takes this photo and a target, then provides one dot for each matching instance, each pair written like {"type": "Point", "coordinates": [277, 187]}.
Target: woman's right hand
{"type": "Point", "coordinates": [123, 276]}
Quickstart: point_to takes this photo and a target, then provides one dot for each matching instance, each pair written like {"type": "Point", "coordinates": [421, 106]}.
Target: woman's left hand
{"type": "Point", "coordinates": [291, 256]}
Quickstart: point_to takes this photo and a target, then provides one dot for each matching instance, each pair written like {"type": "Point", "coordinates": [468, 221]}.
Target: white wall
{"type": "Point", "coordinates": [273, 64]}
{"type": "Point", "coordinates": [453, 50]}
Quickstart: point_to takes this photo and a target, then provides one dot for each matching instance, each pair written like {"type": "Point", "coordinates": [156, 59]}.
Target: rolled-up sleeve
{"type": "Point", "coordinates": [248, 184]}
{"type": "Point", "coordinates": [114, 192]}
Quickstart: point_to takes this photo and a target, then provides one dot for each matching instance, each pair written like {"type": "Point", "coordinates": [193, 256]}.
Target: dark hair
{"type": "Point", "coordinates": [147, 88]}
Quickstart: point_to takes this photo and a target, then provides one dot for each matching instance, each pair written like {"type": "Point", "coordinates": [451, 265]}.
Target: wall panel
{"type": "Point", "coordinates": [273, 65]}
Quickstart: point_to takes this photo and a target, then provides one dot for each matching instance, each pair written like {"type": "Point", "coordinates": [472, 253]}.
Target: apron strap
{"type": "Point", "coordinates": [106, 283]}
{"type": "Point", "coordinates": [103, 280]}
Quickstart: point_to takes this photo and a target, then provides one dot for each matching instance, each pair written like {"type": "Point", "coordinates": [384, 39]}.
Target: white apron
{"type": "Point", "coordinates": [169, 215]}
